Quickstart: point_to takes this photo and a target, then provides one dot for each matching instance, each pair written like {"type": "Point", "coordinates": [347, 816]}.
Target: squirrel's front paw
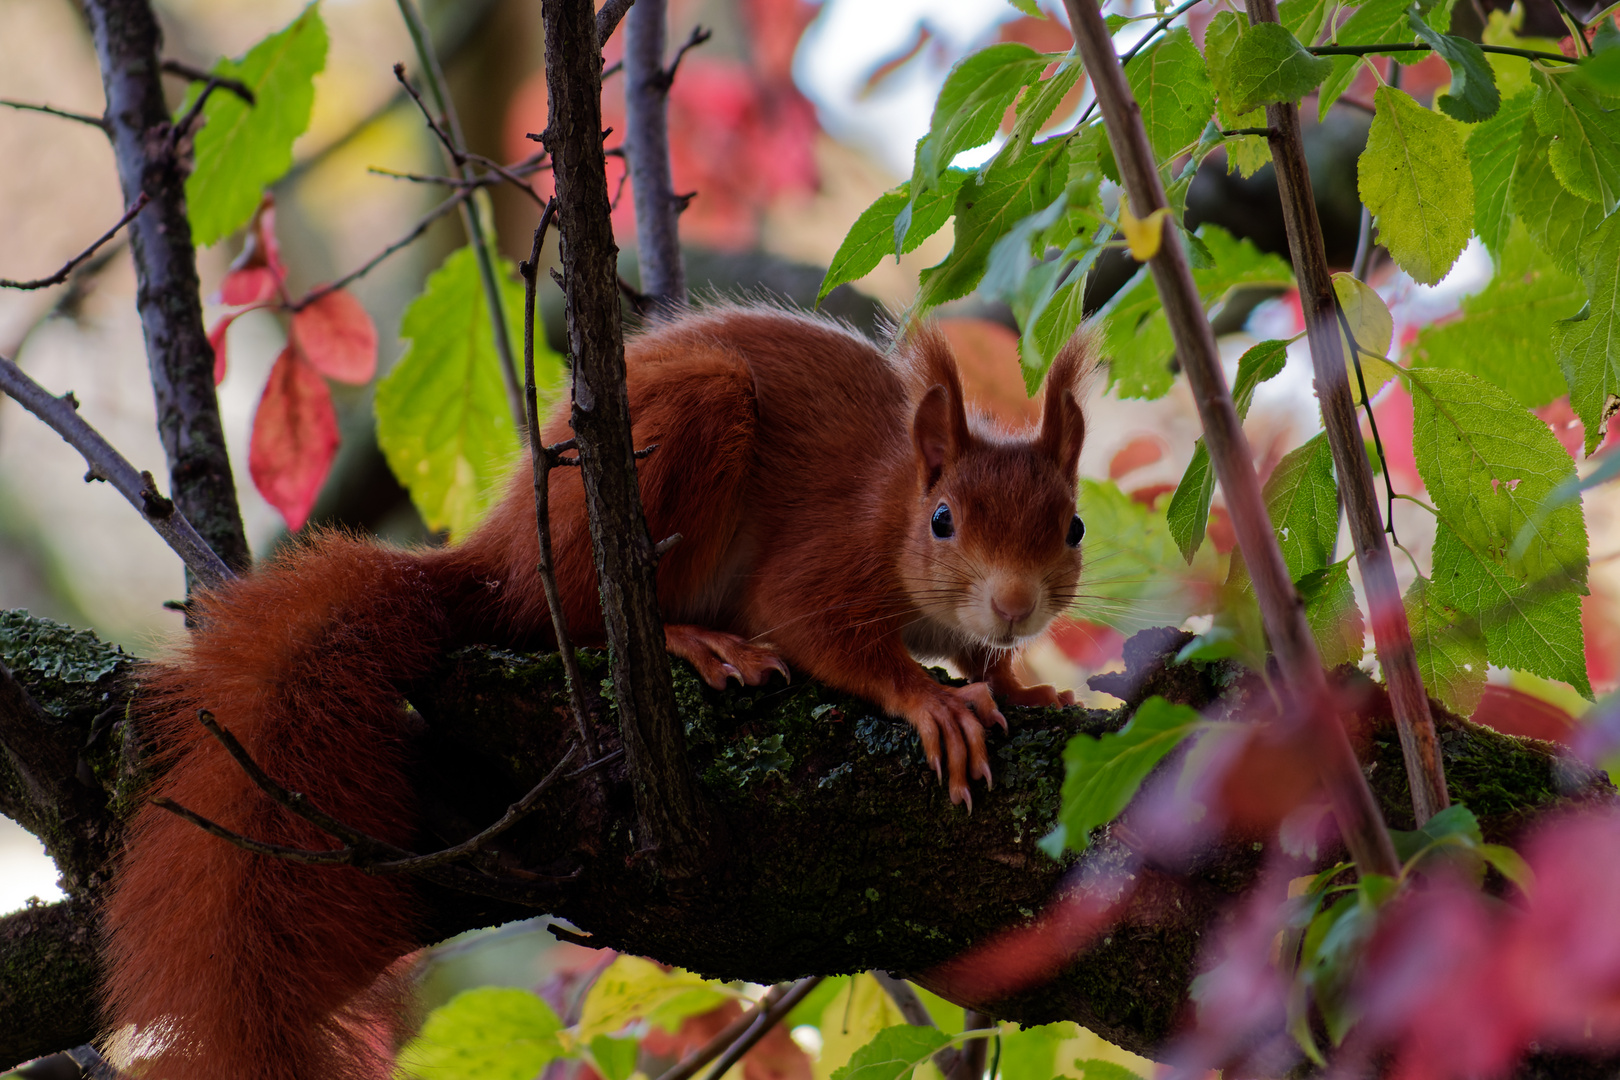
{"type": "Point", "coordinates": [720, 657]}
{"type": "Point", "coordinates": [954, 717]}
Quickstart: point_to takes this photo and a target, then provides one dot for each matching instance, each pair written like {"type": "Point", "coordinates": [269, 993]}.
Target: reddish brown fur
{"type": "Point", "coordinates": [787, 461]}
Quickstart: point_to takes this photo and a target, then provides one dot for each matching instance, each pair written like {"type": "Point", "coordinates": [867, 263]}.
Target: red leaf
{"type": "Point", "coordinates": [250, 285]}
{"type": "Point", "coordinates": [295, 438]}
{"type": "Point", "coordinates": [337, 337]}
{"type": "Point", "coordinates": [1139, 452]}
{"type": "Point", "coordinates": [216, 339]}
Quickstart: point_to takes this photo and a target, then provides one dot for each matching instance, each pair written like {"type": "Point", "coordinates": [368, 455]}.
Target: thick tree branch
{"type": "Point", "coordinates": [167, 294]}
{"type": "Point", "coordinates": [62, 414]}
{"type": "Point", "coordinates": [1393, 636]}
{"type": "Point", "coordinates": [672, 823]}
{"type": "Point", "coordinates": [608, 18]}
{"type": "Point", "coordinates": [1280, 605]}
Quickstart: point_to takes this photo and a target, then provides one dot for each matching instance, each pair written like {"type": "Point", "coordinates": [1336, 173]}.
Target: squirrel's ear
{"type": "Point", "coordinates": [934, 434]}
{"type": "Point", "coordinates": [1063, 424]}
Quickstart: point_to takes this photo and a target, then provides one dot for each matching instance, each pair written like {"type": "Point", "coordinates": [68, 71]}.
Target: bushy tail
{"type": "Point", "coordinates": [243, 966]}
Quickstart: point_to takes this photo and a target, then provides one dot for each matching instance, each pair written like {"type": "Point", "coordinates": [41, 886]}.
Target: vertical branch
{"type": "Point", "coordinates": [646, 144]}
{"type": "Point", "coordinates": [671, 822]}
{"type": "Point", "coordinates": [1308, 697]}
{"type": "Point", "coordinates": [482, 243]}
{"type": "Point", "coordinates": [1392, 635]}
{"type": "Point", "coordinates": [167, 292]}
{"type": "Point", "coordinates": [542, 459]}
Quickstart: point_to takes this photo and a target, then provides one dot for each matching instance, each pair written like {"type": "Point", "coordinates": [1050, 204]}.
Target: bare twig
{"type": "Point", "coordinates": [366, 267]}
{"type": "Point", "coordinates": [51, 110]}
{"type": "Point", "coordinates": [607, 21]}
{"type": "Point", "coordinates": [197, 74]}
{"type": "Point", "coordinates": [697, 37]}
{"type": "Point", "coordinates": [1310, 703]}
{"type": "Point", "coordinates": [543, 460]}
{"type": "Point", "coordinates": [360, 850]}
{"type": "Point", "coordinates": [689, 1066]}
{"type": "Point", "coordinates": [182, 126]}
{"type": "Point", "coordinates": [763, 1022]}
{"type": "Point", "coordinates": [1392, 635]}
{"type": "Point", "coordinates": [482, 245]}
{"type": "Point", "coordinates": [61, 413]}
{"type": "Point", "coordinates": [62, 275]}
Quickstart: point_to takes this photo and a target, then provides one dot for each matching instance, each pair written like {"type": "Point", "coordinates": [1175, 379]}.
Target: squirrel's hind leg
{"type": "Point", "coordinates": [719, 656]}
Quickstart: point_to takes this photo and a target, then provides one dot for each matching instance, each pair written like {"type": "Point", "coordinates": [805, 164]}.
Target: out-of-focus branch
{"type": "Point", "coordinates": [1391, 633]}
{"type": "Point", "coordinates": [1308, 699]}
{"type": "Point", "coordinates": [61, 413]}
{"type": "Point", "coordinates": [646, 142]}
{"type": "Point", "coordinates": [197, 74]}
{"type": "Point", "coordinates": [168, 296]}
{"type": "Point", "coordinates": [51, 110]}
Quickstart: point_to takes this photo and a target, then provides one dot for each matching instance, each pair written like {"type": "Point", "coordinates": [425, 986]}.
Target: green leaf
{"type": "Point", "coordinates": [443, 421]}
{"type": "Point", "coordinates": [1510, 865]}
{"type": "Point", "coordinates": [1036, 107]}
{"type": "Point", "coordinates": [1450, 649]}
{"type": "Point", "coordinates": [1588, 345]}
{"type": "Point", "coordinates": [1488, 464]}
{"type": "Point", "coordinates": [1493, 148]}
{"type": "Point", "coordinates": [1304, 18]}
{"type": "Point", "coordinates": [634, 989]}
{"type": "Point", "coordinates": [1012, 256]}
{"type": "Point", "coordinates": [1098, 1069]}
{"type": "Point", "coordinates": [1103, 774]}
{"type": "Point", "coordinates": [872, 235]}
{"type": "Point", "coordinates": [1188, 512]}
{"type": "Point", "coordinates": [1585, 131]}
{"type": "Point", "coordinates": [491, 1033]}
{"type": "Point", "coordinates": [1473, 95]}
{"type": "Point", "coordinates": [1017, 182]}
{"type": "Point", "coordinates": [615, 1058]}
{"type": "Point", "coordinates": [1303, 502]}
{"type": "Point", "coordinates": [1137, 341]}
{"type": "Point", "coordinates": [1053, 318]}
{"type": "Point", "coordinates": [1502, 28]}
{"type": "Point", "coordinates": [1331, 611]}
{"type": "Point", "coordinates": [1030, 1053]}
{"type": "Point", "coordinates": [1132, 564]}
{"type": "Point", "coordinates": [1169, 82]}
{"type": "Point", "coordinates": [242, 149]}
{"type": "Point", "coordinates": [894, 1052]}
{"type": "Point", "coordinates": [1504, 333]}
{"type": "Point", "coordinates": [1556, 219]}
{"type": "Point", "coordinates": [1269, 65]}
{"type": "Point", "coordinates": [1414, 178]}
{"type": "Point", "coordinates": [977, 93]}
{"type": "Point", "coordinates": [1236, 263]}
{"type": "Point", "coordinates": [1032, 8]}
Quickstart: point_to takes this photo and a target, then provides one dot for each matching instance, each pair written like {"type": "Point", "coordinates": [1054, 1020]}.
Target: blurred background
{"type": "Point", "coordinates": [787, 124]}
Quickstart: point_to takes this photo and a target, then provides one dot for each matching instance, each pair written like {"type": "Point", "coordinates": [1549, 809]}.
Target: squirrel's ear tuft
{"type": "Point", "coordinates": [1063, 424]}
{"type": "Point", "coordinates": [940, 427]}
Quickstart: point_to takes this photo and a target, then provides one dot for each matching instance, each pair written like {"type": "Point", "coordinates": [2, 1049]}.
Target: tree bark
{"type": "Point", "coordinates": [181, 361]}
{"type": "Point", "coordinates": [646, 143]}
{"type": "Point", "coordinates": [844, 853]}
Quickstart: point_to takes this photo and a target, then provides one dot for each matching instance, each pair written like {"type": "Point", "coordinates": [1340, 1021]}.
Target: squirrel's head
{"type": "Point", "coordinates": [993, 547]}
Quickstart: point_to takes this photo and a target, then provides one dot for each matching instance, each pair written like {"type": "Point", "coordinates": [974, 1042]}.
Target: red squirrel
{"type": "Point", "coordinates": [840, 513]}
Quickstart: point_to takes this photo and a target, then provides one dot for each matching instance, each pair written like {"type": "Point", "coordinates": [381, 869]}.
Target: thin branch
{"type": "Point", "coordinates": [1154, 31]}
{"type": "Point", "coordinates": [62, 275]}
{"type": "Point", "coordinates": [689, 1066]}
{"type": "Point", "coordinates": [697, 37]}
{"type": "Point", "coordinates": [51, 110]}
{"type": "Point", "coordinates": [1407, 46]}
{"type": "Point", "coordinates": [646, 142]}
{"type": "Point", "coordinates": [482, 245]}
{"type": "Point", "coordinates": [1311, 703]}
{"type": "Point", "coordinates": [365, 268]}
{"type": "Point", "coordinates": [970, 1065]}
{"type": "Point", "coordinates": [61, 413]}
{"type": "Point", "coordinates": [763, 1024]}
{"type": "Point", "coordinates": [197, 74]}
{"type": "Point", "coordinates": [183, 125]}
{"type": "Point", "coordinates": [607, 20]}
{"type": "Point", "coordinates": [543, 460]}
{"type": "Point", "coordinates": [1324, 323]}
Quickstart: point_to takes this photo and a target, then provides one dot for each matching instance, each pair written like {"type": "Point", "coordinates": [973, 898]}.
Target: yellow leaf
{"type": "Point", "coordinates": [850, 1021]}
{"type": "Point", "coordinates": [634, 989]}
{"type": "Point", "coordinates": [1374, 330]}
{"type": "Point", "coordinates": [1142, 235]}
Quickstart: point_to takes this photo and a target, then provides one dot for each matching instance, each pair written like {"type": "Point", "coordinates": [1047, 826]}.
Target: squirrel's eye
{"type": "Point", "coordinates": [943, 526]}
{"type": "Point", "coordinates": [1077, 531]}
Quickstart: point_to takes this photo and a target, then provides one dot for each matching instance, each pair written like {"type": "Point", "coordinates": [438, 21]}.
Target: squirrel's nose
{"type": "Point", "coordinates": [1012, 608]}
